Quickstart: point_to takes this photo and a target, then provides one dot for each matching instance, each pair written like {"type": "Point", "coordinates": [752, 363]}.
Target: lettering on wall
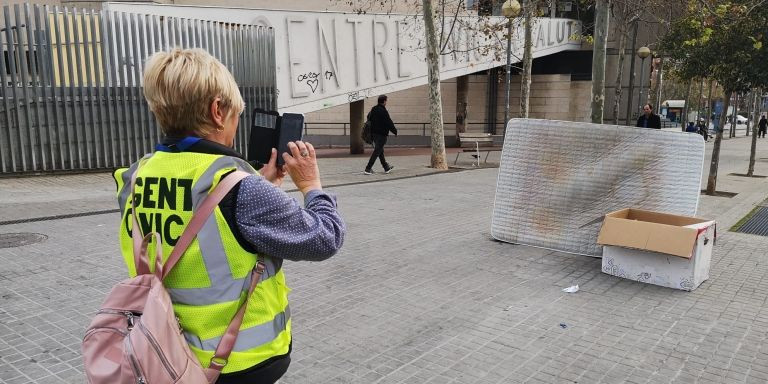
{"type": "Point", "coordinates": [554, 33]}
{"type": "Point", "coordinates": [332, 55]}
{"type": "Point", "coordinates": [359, 95]}
{"type": "Point", "coordinates": [327, 54]}
{"type": "Point", "coordinates": [294, 60]}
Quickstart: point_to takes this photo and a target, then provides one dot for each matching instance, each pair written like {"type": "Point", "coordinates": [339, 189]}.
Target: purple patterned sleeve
{"type": "Point", "coordinates": [278, 226]}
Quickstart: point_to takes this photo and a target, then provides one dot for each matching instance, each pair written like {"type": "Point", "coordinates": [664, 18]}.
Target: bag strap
{"type": "Point", "coordinates": [139, 257]}
{"type": "Point", "coordinates": [227, 342]}
{"type": "Point", "coordinates": [200, 217]}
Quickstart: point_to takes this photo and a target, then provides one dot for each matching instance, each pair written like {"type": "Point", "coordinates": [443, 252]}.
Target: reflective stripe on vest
{"type": "Point", "coordinates": [224, 287]}
{"type": "Point", "coordinates": [247, 338]}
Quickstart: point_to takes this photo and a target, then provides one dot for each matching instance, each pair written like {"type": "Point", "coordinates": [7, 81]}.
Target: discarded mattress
{"type": "Point", "coordinates": [558, 179]}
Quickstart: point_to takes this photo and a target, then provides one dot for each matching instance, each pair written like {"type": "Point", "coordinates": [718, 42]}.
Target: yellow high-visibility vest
{"type": "Point", "coordinates": [211, 279]}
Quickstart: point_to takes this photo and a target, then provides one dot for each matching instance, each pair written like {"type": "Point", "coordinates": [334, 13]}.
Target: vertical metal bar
{"type": "Point", "coordinates": [272, 70]}
{"type": "Point", "coordinates": [198, 34]}
{"type": "Point", "coordinates": [130, 83]}
{"type": "Point", "coordinates": [178, 33]}
{"type": "Point", "coordinates": [216, 48]}
{"type": "Point", "coordinates": [238, 75]}
{"type": "Point", "coordinates": [140, 53]}
{"type": "Point", "coordinates": [207, 36]}
{"type": "Point", "coordinates": [95, 39]}
{"type": "Point", "coordinates": [261, 82]}
{"type": "Point", "coordinates": [9, 31]}
{"type": "Point", "coordinates": [7, 119]}
{"type": "Point", "coordinates": [78, 52]}
{"type": "Point", "coordinates": [165, 43]}
{"type": "Point", "coordinates": [65, 146]}
{"type": "Point", "coordinates": [110, 86]}
{"type": "Point", "coordinates": [184, 33]}
{"type": "Point", "coordinates": [231, 50]}
{"type": "Point", "coordinates": [122, 57]}
{"type": "Point", "coordinates": [87, 33]}
{"type": "Point", "coordinates": [72, 87]}
{"type": "Point", "coordinates": [246, 86]}
{"type": "Point", "coordinates": [154, 41]}
{"type": "Point", "coordinates": [61, 138]}
{"type": "Point", "coordinates": [191, 26]}
{"type": "Point", "coordinates": [44, 71]}
{"type": "Point", "coordinates": [119, 87]}
{"type": "Point", "coordinates": [263, 49]}
{"type": "Point", "coordinates": [27, 141]}
{"type": "Point", "coordinates": [170, 33]}
{"type": "Point", "coordinates": [33, 100]}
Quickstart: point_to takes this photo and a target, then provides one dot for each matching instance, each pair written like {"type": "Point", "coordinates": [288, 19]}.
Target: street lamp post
{"type": "Point", "coordinates": [510, 9]}
{"type": "Point", "coordinates": [642, 52]}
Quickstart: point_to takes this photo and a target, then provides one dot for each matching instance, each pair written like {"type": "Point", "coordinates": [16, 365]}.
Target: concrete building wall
{"type": "Point", "coordinates": [553, 97]}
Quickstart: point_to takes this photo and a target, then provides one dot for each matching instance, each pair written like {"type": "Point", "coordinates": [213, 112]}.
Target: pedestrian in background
{"type": "Point", "coordinates": [691, 128]}
{"type": "Point", "coordinates": [702, 129]}
{"type": "Point", "coordinates": [762, 126]}
{"type": "Point", "coordinates": [649, 119]}
{"type": "Point", "coordinates": [381, 126]}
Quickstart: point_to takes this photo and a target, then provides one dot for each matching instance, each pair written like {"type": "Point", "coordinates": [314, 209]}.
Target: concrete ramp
{"type": "Point", "coordinates": [324, 59]}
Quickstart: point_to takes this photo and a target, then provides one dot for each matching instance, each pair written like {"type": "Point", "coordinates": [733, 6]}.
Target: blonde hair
{"type": "Point", "coordinates": [180, 86]}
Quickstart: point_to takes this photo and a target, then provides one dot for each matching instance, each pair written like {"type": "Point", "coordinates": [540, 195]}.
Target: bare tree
{"type": "Point", "coordinates": [598, 60]}
{"type": "Point", "coordinates": [437, 160]}
{"type": "Point", "coordinates": [529, 9]}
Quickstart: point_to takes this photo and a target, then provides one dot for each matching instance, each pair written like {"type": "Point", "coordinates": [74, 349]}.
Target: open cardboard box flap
{"type": "Point", "coordinates": [651, 231]}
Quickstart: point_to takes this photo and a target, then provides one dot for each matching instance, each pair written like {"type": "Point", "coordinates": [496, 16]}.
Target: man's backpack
{"type": "Point", "coordinates": [367, 135]}
{"type": "Point", "coordinates": [135, 337]}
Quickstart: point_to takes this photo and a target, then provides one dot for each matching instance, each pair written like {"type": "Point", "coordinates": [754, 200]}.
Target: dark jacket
{"type": "Point", "coordinates": [763, 123]}
{"type": "Point", "coordinates": [654, 121]}
{"type": "Point", "coordinates": [381, 123]}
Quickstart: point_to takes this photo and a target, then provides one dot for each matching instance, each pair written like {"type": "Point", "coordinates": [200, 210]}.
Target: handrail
{"type": "Point", "coordinates": [422, 126]}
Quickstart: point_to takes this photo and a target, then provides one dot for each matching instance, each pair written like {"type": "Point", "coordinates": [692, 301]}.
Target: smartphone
{"type": "Point", "coordinates": [265, 130]}
{"type": "Point", "coordinates": [270, 130]}
{"type": "Point", "coordinates": [291, 128]}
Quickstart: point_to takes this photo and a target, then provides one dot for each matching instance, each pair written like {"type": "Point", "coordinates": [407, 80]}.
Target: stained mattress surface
{"type": "Point", "coordinates": [558, 179]}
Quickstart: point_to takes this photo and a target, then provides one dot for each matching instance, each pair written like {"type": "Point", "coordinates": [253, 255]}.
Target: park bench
{"type": "Point", "coordinates": [476, 142]}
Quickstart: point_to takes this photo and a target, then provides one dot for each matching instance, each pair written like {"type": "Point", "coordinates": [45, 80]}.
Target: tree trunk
{"type": "Point", "coordinates": [712, 179]}
{"type": "Point", "coordinates": [631, 90]}
{"type": "Point", "coordinates": [598, 60]}
{"type": "Point", "coordinates": [709, 103]}
{"type": "Point", "coordinates": [753, 148]}
{"type": "Point", "coordinates": [734, 121]}
{"type": "Point", "coordinates": [435, 99]}
{"type": "Point", "coordinates": [686, 108]}
{"type": "Point", "coordinates": [701, 95]}
{"type": "Point", "coordinates": [750, 100]}
{"type": "Point", "coordinates": [356, 120]}
{"type": "Point", "coordinates": [529, 6]}
{"type": "Point", "coordinates": [462, 93]}
{"type": "Point", "coordinates": [659, 86]}
{"type": "Point", "coordinates": [619, 74]}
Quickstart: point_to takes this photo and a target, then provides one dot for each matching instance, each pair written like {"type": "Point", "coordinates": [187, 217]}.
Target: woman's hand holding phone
{"type": "Point", "coordinates": [301, 164]}
{"type": "Point", "coordinates": [271, 171]}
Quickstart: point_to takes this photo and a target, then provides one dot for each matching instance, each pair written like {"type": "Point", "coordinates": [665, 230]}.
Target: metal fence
{"type": "Point", "coordinates": [71, 96]}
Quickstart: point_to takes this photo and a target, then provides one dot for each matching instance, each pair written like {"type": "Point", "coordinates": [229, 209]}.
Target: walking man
{"type": "Point", "coordinates": [762, 126]}
{"type": "Point", "coordinates": [381, 125]}
{"type": "Point", "coordinates": [649, 119]}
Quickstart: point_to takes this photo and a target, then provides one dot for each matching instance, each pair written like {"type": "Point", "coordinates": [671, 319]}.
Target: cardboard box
{"type": "Point", "coordinates": [657, 248]}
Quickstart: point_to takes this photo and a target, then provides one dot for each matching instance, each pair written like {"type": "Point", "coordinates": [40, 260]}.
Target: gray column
{"type": "Point", "coordinates": [462, 96]}
{"type": "Point", "coordinates": [356, 120]}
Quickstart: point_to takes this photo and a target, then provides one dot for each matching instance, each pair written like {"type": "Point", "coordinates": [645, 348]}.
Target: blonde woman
{"type": "Point", "coordinates": [197, 104]}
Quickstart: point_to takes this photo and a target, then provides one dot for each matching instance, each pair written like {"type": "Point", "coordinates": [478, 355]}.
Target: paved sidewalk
{"type": "Point", "coordinates": [419, 293]}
